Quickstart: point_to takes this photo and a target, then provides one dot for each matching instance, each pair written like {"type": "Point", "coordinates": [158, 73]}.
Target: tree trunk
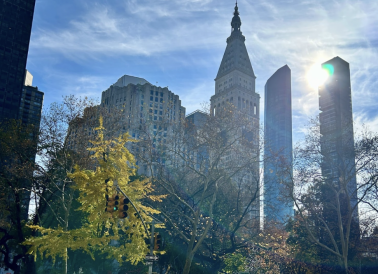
{"type": "Point", "coordinates": [346, 264]}
{"type": "Point", "coordinates": [29, 267]}
{"type": "Point", "coordinates": [66, 263]}
{"type": "Point", "coordinates": [188, 263]}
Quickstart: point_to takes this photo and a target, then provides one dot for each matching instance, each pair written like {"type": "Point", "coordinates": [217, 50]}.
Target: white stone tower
{"type": "Point", "coordinates": [235, 81]}
{"type": "Point", "coordinates": [235, 93]}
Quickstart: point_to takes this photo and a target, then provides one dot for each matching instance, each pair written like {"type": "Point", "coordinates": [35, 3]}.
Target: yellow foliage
{"type": "Point", "coordinates": [121, 239]}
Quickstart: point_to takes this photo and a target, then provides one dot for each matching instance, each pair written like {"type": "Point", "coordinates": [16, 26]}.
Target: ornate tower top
{"type": "Point", "coordinates": [236, 22]}
{"type": "Point", "coordinates": [236, 56]}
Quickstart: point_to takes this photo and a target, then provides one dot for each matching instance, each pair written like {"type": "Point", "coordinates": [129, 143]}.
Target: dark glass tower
{"type": "Point", "coordinates": [336, 129]}
{"type": "Point", "coordinates": [16, 17]}
{"type": "Point", "coordinates": [278, 146]}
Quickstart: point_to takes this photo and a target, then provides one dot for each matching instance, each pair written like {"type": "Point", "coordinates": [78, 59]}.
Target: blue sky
{"type": "Point", "coordinates": [81, 47]}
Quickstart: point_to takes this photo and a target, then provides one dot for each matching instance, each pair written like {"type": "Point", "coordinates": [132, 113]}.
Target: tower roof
{"type": "Point", "coordinates": [127, 79]}
{"type": "Point", "coordinates": [235, 56]}
{"type": "Point", "coordinates": [236, 22]}
{"type": "Point", "coordinates": [336, 59]}
{"type": "Point", "coordinates": [284, 69]}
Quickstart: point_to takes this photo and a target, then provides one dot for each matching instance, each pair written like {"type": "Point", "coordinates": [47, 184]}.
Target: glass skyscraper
{"type": "Point", "coordinates": [336, 129]}
{"type": "Point", "coordinates": [16, 19]}
{"type": "Point", "coordinates": [278, 207]}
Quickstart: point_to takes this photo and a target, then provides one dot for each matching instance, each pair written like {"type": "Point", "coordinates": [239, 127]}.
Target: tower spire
{"type": "Point", "coordinates": [236, 22]}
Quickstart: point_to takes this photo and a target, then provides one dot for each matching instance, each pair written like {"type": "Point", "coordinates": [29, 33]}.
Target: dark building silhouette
{"type": "Point", "coordinates": [16, 19]}
{"type": "Point", "coordinates": [278, 146]}
{"type": "Point", "coordinates": [336, 129]}
{"type": "Point", "coordinates": [31, 106]}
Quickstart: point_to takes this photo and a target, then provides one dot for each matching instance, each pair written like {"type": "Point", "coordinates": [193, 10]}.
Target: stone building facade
{"type": "Point", "coordinates": [235, 92]}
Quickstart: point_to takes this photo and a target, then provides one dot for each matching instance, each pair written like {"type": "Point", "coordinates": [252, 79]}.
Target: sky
{"type": "Point", "coordinates": [82, 47]}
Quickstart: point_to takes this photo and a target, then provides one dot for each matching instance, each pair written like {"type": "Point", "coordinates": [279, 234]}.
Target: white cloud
{"type": "Point", "coordinates": [191, 35]}
{"type": "Point", "coordinates": [362, 121]}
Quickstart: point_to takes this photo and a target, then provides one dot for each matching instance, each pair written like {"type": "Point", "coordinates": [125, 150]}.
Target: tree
{"type": "Point", "coordinates": [44, 182]}
{"type": "Point", "coordinates": [327, 207]}
{"type": "Point", "coordinates": [211, 176]}
{"type": "Point", "coordinates": [17, 150]}
{"type": "Point", "coordinates": [121, 239]}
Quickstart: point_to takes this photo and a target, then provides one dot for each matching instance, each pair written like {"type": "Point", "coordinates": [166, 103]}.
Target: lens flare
{"type": "Point", "coordinates": [318, 74]}
{"type": "Point", "coordinates": [328, 68]}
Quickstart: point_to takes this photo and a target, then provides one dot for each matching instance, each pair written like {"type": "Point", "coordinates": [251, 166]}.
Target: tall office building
{"type": "Point", "coordinates": [16, 19]}
{"type": "Point", "coordinates": [235, 88]}
{"type": "Point", "coordinates": [277, 146]}
{"type": "Point", "coordinates": [31, 103]}
{"type": "Point", "coordinates": [147, 112]}
{"type": "Point", "coordinates": [336, 129]}
{"type": "Point", "coordinates": [235, 81]}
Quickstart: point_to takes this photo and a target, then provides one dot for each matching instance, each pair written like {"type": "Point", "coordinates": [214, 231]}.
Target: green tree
{"type": "Point", "coordinates": [17, 151]}
{"type": "Point", "coordinates": [104, 232]}
{"type": "Point", "coordinates": [235, 263]}
{"type": "Point", "coordinates": [210, 173]}
{"type": "Point", "coordinates": [327, 207]}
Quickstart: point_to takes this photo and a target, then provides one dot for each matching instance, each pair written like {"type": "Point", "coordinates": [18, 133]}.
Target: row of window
{"type": "Point", "coordinates": [156, 93]}
{"type": "Point", "coordinates": [242, 104]}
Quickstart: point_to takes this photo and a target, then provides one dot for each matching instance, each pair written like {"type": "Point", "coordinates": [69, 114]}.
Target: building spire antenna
{"type": "Point", "coordinates": [236, 22]}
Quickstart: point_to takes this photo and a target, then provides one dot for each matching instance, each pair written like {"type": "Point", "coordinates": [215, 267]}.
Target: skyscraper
{"type": "Point", "coordinates": [235, 89]}
{"type": "Point", "coordinates": [16, 19]}
{"type": "Point", "coordinates": [235, 81]}
{"type": "Point", "coordinates": [336, 129]}
{"type": "Point", "coordinates": [31, 103]}
{"type": "Point", "coordinates": [277, 146]}
{"type": "Point", "coordinates": [135, 106]}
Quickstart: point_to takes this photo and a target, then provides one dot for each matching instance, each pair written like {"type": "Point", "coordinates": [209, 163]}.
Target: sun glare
{"type": "Point", "coordinates": [317, 75]}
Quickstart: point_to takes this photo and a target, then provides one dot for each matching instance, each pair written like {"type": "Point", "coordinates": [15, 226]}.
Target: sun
{"type": "Point", "coordinates": [317, 75]}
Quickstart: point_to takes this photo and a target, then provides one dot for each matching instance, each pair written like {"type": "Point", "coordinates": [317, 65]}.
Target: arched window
{"type": "Point", "coordinates": [239, 103]}
{"type": "Point", "coordinates": [254, 109]}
